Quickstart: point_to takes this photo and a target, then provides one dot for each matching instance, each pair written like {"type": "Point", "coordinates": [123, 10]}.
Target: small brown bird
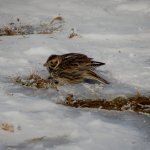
{"type": "Point", "coordinates": [73, 68]}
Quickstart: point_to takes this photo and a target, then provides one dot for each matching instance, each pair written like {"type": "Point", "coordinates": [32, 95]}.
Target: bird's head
{"type": "Point", "coordinates": [53, 61]}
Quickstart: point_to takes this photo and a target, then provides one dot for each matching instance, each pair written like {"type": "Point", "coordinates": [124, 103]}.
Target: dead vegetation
{"type": "Point", "coordinates": [136, 103]}
{"type": "Point", "coordinates": [57, 18]}
{"type": "Point", "coordinates": [34, 80]}
{"type": "Point", "coordinates": [73, 34]}
{"type": "Point", "coordinates": [19, 28]}
{"type": "Point", "coordinates": [7, 127]}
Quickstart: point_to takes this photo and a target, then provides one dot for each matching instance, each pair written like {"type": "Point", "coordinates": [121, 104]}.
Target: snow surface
{"type": "Point", "coordinates": [116, 32]}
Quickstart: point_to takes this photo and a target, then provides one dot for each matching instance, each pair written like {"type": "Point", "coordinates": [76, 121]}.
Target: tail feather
{"type": "Point", "coordinates": [92, 75]}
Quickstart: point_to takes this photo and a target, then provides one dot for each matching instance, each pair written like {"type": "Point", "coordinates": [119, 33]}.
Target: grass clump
{"type": "Point", "coordinates": [19, 28]}
{"type": "Point", "coordinates": [73, 34]}
{"type": "Point", "coordinates": [7, 127]}
{"type": "Point", "coordinates": [135, 103]}
{"type": "Point", "coordinates": [34, 80]}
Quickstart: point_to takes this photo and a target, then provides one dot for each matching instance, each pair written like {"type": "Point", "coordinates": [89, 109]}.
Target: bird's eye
{"type": "Point", "coordinates": [56, 82]}
{"type": "Point", "coordinates": [50, 78]}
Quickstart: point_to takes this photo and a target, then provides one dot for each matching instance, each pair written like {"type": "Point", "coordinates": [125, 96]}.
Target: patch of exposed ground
{"type": "Point", "coordinates": [33, 80]}
{"type": "Point", "coordinates": [19, 28]}
{"type": "Point", "coordinates": [7, 127]}
{"type": "Point", "coordinates": [135, 103]}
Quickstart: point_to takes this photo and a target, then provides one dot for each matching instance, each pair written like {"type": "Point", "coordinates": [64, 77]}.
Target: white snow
{"type": "Point", "coordinates": [116, 32]}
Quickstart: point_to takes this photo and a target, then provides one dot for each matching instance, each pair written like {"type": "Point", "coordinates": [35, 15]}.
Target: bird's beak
{"type": "Point", "coordinates": [45, 65]}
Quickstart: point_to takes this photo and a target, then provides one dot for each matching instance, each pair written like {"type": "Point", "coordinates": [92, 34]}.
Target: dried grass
{"type": "Point", "coordinates": [73, 34]}
{"type": "Point", "coordinates": [57, 18]}
{"type": "Point", "coordinates": [7, 127]}
{"type": "Point", "coordinates": [34, 80]}
{"type": "Point", "coordinates": [135, 103]}
{"type": "Point", "coordinates": [18, 28]}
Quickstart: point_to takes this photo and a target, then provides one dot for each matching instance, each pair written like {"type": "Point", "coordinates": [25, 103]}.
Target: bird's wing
{"type": "Point", "coordinates": [75, 60]}
{"type": "Point", "coordinates": [79, 61]}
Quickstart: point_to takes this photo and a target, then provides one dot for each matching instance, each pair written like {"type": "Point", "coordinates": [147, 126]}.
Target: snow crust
{"type": "Point", "coordinates": [116, 32]}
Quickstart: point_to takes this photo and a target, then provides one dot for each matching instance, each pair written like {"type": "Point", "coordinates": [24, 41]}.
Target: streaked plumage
{"type": "Point", "coordinates": [73, 68]}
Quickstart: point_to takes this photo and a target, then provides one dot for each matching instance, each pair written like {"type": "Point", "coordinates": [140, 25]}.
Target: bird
{"type": "Point", "coordinates": [71, 60]}
{"type": "Point", "coordinates": [72, 68]}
